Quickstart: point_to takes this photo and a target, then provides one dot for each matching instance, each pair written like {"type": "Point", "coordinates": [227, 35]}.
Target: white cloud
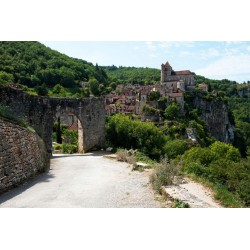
{"type": "Point", "coordinates": [185, 53]}
{"type": "Point", "coordinates": [211, 52]}
{"type": "Point", "coordinates": [151, 46]}
{"type": "Point", "coordinates": [231, 67]}
{"type": "Point", "coordinates": [248, 48]}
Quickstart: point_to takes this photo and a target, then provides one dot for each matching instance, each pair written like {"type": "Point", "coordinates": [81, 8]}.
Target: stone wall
{"type": "Point", "coordinates": [22, 154]}
{"type": "Point", "coordinates": [188, 79]}
{"type": "Point", "coordinates": [40, 112]}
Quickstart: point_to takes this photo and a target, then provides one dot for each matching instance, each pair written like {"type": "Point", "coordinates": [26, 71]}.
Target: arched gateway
{"type": "Point", "coordinates": [40, 112]}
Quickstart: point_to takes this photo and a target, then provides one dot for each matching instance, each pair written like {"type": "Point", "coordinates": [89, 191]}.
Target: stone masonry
{"type": "Point", "coordinates": [22, 154]}
{"type": "Point", "coordinates": [41, 112]}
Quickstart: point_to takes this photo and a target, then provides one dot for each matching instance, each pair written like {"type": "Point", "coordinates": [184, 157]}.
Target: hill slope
{"type": "Point", "coordinates": [133, 75]}
{"type": "Point", "coordinates": [32, 63]}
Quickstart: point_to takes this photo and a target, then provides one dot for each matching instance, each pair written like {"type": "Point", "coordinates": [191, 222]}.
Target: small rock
{"type": "Point", "coordinates": [109, 149]}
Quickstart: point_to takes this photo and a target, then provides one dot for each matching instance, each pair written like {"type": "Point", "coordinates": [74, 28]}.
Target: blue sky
{"type": "Point", "coordinates": [216, 60]}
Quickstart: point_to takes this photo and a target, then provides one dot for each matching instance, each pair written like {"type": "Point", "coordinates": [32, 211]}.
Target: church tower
{"type": "Point", "coordinates": [166, 70]}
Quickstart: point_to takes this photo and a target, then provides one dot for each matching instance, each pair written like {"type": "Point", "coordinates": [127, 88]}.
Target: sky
{"type": "Point", "coordinates": [215, 60]}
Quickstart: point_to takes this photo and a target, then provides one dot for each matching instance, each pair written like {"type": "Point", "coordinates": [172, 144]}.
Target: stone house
{"type": "Point", "coordinates": [178, 97]}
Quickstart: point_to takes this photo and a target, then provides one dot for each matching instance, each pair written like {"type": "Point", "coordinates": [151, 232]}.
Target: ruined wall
{"type": "Point", "coordinates": [216, 114]}
{"type": "Point", "coordinates": [40, 112]}
{"type": "Point", "coordinates": [22, 154]}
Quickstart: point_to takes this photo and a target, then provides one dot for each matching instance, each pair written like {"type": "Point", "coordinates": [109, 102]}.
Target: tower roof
{"type": "Point", "coordinates": [167, 64]}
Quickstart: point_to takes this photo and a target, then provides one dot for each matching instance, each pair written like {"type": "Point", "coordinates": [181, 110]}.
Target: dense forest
{"type": "Point", "coordinates": [34, 65]}
{"type": "Point", "coordinates": [143, 76]}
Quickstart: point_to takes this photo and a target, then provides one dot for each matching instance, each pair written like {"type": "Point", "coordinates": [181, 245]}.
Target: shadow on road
{"type": "Point", "coordinates": [44, 177]}
{"type": "Point", "coordinates": [96, 153]}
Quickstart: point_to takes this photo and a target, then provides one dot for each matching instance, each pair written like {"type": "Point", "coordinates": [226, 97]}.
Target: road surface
{"type": "Point", "coordinates": [85, 181]}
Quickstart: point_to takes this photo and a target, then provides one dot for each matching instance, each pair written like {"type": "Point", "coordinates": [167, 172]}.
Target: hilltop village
{"type": "Point", "coordinates": [130, 99]}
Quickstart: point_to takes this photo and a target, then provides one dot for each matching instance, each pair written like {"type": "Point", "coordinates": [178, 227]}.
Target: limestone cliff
{"type": "Point", "coordinates": [216, 114]}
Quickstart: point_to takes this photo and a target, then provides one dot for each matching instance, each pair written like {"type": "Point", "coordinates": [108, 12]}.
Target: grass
{"type": "Point", "coordinates": [164, 173]}
{"type": "Point", "coordinates": [125, 156]}
{"type": "Point", "coordinates": [141, 157]}
{"type": "Point", "coordinates": [8, 114]}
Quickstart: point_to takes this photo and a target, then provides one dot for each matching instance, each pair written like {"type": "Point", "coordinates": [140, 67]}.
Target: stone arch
{"type": "Point", "coordinates": [39, 112]}
{"type": "Point", "coordinates": [75, 120]}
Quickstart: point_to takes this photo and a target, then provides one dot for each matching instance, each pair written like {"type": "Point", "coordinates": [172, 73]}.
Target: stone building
{"type": "Point", "coordinates": [168, 75]}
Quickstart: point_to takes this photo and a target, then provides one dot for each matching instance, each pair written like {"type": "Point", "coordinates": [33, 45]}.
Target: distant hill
{"type": "Point", "coordinates": [32, 64]}
{"type": "Point", "coordinates": [144, 76]}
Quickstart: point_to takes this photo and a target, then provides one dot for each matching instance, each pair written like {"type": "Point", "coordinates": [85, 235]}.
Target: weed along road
{"type": "Point", "coordinates": [88, 180]}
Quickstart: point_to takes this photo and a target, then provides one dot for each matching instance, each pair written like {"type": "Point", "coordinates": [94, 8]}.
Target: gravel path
{"type": "Point", "coordinates": [89, 181]}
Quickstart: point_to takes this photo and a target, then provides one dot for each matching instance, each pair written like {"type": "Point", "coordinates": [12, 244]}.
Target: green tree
{"type": "Point", "coordinates": [172, 111]}
{"type": "Point", "coordinates": [41, 90]}
{"type": "Point", "coordinates": [223, 150]}
{"type": "Point", "coordinates": [58, 90]}
{"type": "Point", "coordinates": [94, 86]}
{"type": "Point", "coordinates": [5, 78]}
{"type": "Point", "coordinates": [174, 148]}
{"type": "Point", "coordinates": [123, 131]}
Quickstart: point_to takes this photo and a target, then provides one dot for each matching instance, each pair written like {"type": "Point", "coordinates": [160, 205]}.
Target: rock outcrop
{"type": "Point", "coordinates": [216, 114]}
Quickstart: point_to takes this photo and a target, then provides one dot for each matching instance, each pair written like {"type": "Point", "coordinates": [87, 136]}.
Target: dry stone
{"type": "Point", "coordinates": [24, 154]}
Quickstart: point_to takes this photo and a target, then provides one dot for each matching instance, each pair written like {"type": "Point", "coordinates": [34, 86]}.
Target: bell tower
{"type": "Point", "coordinates": [166, 70]}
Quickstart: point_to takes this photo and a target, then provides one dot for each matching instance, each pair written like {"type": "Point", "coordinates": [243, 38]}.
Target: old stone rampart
{"type": "Point", "coordinates": [23, 154]}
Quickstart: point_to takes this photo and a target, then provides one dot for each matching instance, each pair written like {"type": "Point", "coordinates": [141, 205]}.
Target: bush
{"type": "Point", "coordinates": [224, 150]}
{"type": "Point", "coordinates": [69, 148]}
{"type": "Point", "coordinates": [180, 204]}
{"type": "Point", "coordinates": [123, 131]}
{"type": "Point", "coordinates": [164, 173]}
{"type": "Point", "coordinates": [58, 146]}
{"type": "Point", "coordinates": [221, 165]}
{"type": "Point", "coordinates": [174, 148]}
{"type": "Point", "coordinates": [41, 90]}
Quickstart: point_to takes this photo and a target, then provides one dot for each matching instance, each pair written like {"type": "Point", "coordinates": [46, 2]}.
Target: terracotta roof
{"type": "Point", "coordinates": [176, 95]}
{"type": "Point", "coordinates": [131, 108]}
{"type": "Point", "coordinates": [183, 72]}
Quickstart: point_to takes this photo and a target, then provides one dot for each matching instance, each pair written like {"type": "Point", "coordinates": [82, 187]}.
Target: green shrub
{"type": "Point", "coordinates": [221, 165]}
{"type": "Point", "coordinates": [58, 146]}
{"type": "Point", "coordinates": [180, 204]}
{"type": "Point", "coordinates": [123, 131]}
{"type": "Point", "coordinates": [69, 148]}
{"type": "Point", "coordinates": [41, 90]}
{"type": "Point", "coordinates": [174, 148]}
{"type": "Point", "coordinates": [226, 198]}
{"type": "Point", "coordinates": [224, 150]}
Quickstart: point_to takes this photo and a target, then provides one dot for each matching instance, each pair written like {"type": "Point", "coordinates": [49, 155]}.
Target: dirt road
{"type": "Point", "coordinates": [87, 181]}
